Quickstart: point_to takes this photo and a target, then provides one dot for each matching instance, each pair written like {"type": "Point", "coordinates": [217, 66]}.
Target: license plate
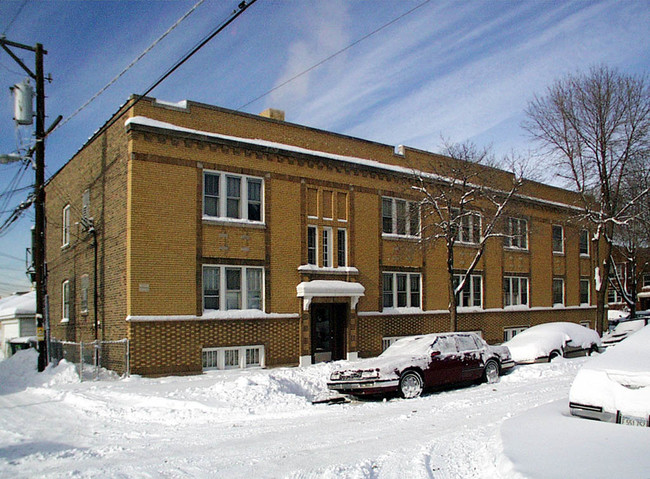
{"type": "Point", "coordinates": [634, 421]}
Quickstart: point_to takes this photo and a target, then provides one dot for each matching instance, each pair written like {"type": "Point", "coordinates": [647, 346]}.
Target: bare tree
{"type": "Point", "coordinates": [461, 205]}
{"type": "Point", "coordinates": [595, 128]}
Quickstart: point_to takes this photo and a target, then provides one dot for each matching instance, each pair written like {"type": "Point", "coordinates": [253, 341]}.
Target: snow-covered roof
{"type": "Point", "coordinates": [144, 121]}
{"type": "Point", "coordinates": [18, 305]}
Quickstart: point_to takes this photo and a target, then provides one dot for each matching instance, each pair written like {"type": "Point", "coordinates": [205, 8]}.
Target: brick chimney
{"type": "Point", "coordinates": [273, 114]}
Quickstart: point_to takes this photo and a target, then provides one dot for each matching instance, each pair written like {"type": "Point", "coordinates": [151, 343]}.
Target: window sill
{"type": "Point", "coordinates": [310, 268]}
{"type": "Point", "coordinates": [65, 246]}
{"type": "Point", "coordinates": [233, 222]}
{"type": "Point", "coordinates": [65, 320]}
{"type": "Point", "coordinates": [514, 249]}
{"type": "Point", "coordinates": [558, 253]}
{"type": "Point", "coordinates": [396, 237]}
{"type": "Point", "coordinates": [585, 256]}
{"type": "Point", "coordinates": [517, 307]}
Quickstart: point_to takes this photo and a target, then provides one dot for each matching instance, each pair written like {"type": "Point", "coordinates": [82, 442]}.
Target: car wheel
{"type": "Point", "coordinates": [411, 385]}
{"type": "Point", "coordinates": [554, 354]}
{"type": "Point", "coordinates": [491, 372]}
{"type": "Point", "coordinates": [592, 350]}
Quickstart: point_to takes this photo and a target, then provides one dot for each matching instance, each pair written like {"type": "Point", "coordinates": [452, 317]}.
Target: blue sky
{"type": "Point", "coordinates": [459, 70]}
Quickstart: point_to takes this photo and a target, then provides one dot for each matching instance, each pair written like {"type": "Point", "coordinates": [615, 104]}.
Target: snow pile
{"type": "Point", "coordinates": [19, 372]}
{"type": "Point", "coordinates": [619, 379]}
{"type": "Point", "coordinates": [539, 341]}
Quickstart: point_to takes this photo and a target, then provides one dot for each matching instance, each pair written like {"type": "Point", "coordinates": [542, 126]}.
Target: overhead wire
{"type": "Point", "coordinates": [20, 9]}
{"type": "Point", "coordinates": [130, 65]}
{"type": "Point", "coordinates": [335, 54]}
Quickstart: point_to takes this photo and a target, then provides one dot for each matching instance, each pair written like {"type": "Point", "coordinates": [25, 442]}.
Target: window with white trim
{"type": "Point", "coordinates": [515, 291]}
{"type": "Point", "coordinates": [511, 332]}
{"type": "Point", "coordinates": [233, 287]}
{"type": "Point", "coordinates": [65, 221]}
{"type": "Point", "coordinates": [646, 280]}
{"type": "Point", "coordinates": [472, 293]}
{"type": "Point", "coordinates": [613, 295]}
{"type": "Point", "coordinates": [386, 342]}
{"type": "Point", "coordinates": [327, 247]}
{"type": "Point", "coordinates": [65, 301]}
{"type": "Point", "coordinates": [558, 291]}
{"type": "Point", "coordinates": [401, 290]}
{"type": "Point", "coordinates": [236, 357]}
{"type": "Point", "coordinates": [83, 302]}
{"type": "Point", "coordinates": [584, 243]}
{"type": "Point", "coordinates": [400, 217]}
{"type": "Point", "coordinates": [558, 239]}
{"type": "Point", "coordinates": [516, 233]}
{"type": "Point", "coordinates": [469, 226]}
{"type": "Point", "coordinates": [584, 291]}
{"type": "Point", "coordinates": [342, 247]}
{"type": "Point", "coordinates": [312, 245]}
{"type": "Point", "coordinates": [227, 195]}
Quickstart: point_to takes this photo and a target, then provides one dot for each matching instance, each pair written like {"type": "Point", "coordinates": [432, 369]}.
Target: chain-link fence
{"type": "Point", "coordinates": [93, 357]}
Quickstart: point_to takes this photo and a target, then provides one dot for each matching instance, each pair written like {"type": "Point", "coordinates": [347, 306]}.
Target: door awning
{"type": "Point", "coordinates": [329, 288]}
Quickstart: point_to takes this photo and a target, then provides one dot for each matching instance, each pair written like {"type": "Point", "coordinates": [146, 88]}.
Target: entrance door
{"type": "Point", "coordinates": [328, 331]}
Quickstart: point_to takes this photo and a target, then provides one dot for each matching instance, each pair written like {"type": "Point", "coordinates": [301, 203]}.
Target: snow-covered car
{"type": "Point", "coordinates": [544, 342]}
{"type": "Point", "coordinates": [415, 363]}
{"type": "Point", "coordinates": [625, 328]}
{"type": "Point", "coordinates": [615, 386]}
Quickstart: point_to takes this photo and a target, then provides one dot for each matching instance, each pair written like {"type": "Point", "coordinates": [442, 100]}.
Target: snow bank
{"type": "Point", "coordinates": [20, 372]}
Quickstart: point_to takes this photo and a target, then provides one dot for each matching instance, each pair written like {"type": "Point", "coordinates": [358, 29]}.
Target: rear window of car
{"type": "Point", "coordinates": [445, 344]}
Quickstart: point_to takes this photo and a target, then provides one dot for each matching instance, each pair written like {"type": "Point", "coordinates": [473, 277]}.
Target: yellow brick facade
{"type": "Point", "coordinates": [146, 183]}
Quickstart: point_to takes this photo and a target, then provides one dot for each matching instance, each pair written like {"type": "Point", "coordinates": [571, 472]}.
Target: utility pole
{"type": "Point", "coordinates": [38, 250]}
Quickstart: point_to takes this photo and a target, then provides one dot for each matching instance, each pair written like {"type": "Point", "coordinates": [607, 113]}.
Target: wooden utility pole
{"type": "Point", "coordinates": [38, 248]}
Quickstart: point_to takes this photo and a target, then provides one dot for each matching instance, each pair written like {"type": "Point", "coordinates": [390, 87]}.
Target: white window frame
{"type": "Point", "coordinates": [387, 341]}
{"type": "Point", "coordinates": [327, 247]}
{"type": "Point", "coordinates": [315, 246]}
{"type": "Point", "coordinates": [409, 292]}
{"type": "Point", "coordinates": [243, 286]}
{"type": "Point", "coordinates": [342, 252]}
{"type": "Point", "coordinates": [586, 236]}
{"type": "Point", "coordinates": [646, 280]}
{"type": "Point", "coordinates": [618, 298]}
{"type": "Point", "coordinates": [467, 222]}
{"type": "Point", "coordinates": [409, 207]}
{"type": "Point", "coordinates": [471, 279]}
{"type": "Point", "coordinates": [215, 358]}
{"type": "Point", "coordinates": [561, 250]}
{"type": "Point", "coordinates": [563, 292]}
{"type": "Point", "coordinates": [584, 280]}
{"type": "Point", "coordinates": [65, 301]}
{"type": "Point", "coordinates": [222, 198]}
{"type": "Point", "coordinates": [512, 331]}
{"type": "Point", "coordinates": [519, 280]}
{"type": "Point", "coordinates": [65, 221]}
{"type": "Point", "coordinates": [513, 230]}
{"type": "Point", "coordinates": [83, 296]}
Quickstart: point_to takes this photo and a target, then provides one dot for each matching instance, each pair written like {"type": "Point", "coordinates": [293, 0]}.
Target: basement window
{"type": "Point", "coordinates": [233, 357]}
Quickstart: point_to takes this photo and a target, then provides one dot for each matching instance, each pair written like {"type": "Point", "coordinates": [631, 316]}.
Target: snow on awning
{"type": "Point", "coordinates": [329, 288]}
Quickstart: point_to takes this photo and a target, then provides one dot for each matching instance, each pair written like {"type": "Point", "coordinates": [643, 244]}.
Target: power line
{"type": "Point", "coordinates": [130, 65]}
{"type": "Point", "coordinates": [20, 9]}
{"type": "Point", "coordinates": [316, 65]}
{"type": "Point", "coordinates": [16, 258]}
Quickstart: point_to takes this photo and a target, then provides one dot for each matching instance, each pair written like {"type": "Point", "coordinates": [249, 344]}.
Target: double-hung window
{"type": "Point", "coordinates": [400, 217]}
{"type": "Point", "coordinates": [83, 303]}
{"type": "Point", "coordinates": [472, 293]}
{"type": "Point", "coordinates": [468, 226]}
{"type": "Point", "coordinates": [516, 233]}
{"type": "Point", "coordinates": [65, 301]}
{"type": "Point", "coordinates": [584, 243]}
{"type": "Point", "coordinates": [312, 245]}
{"type": "Point", "coordinates": [65, 221]}
{"type": "Point", "coordinates": [401, 290]}
{"type": "Point", "coordinates": [232, 287]}
{"type": "Point", "coordinates": [558, 291]}
{"type": "Point", "coordinates": [327, 247]}
{"type": "Point", "coordinates": [515, 291]}
{"type": "Point", "coordinates": [230, 196]}
{"type": "Point", "coordinates": [558, 239]}
{"type": "Point", "coordinates": [584, 291]}
{"type": "Point", "coordinates": [342, 247]}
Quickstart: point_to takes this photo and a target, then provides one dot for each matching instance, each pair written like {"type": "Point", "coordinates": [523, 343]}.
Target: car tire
{"type": "Point", "coordinates": [593, 349]}
{"type": "Point", "coordinates": [491, 372]}
{"type": "Point", "coordinates": [411, 384]}
{"type": "Point", "coordinates": [554, 354]}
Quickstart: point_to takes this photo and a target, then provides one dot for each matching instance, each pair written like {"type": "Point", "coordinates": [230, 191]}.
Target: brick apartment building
{"type": "Point", "coordinates": [214, 239]}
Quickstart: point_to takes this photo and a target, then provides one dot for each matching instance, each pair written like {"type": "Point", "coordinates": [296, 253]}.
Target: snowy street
{"type": "Point", "coordinates": [261, 423]}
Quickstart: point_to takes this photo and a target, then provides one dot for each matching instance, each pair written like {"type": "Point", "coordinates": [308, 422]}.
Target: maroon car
{"type": "Point", "coordinates": [415, 363]}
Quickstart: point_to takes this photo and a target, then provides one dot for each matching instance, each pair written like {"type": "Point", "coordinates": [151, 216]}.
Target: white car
{"type": "Point", "coordinates": [615, 386]}
{"type": "Point", "coordinates": [544, 342]}
{"type": "Point", "coordinates": [624, 329]}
